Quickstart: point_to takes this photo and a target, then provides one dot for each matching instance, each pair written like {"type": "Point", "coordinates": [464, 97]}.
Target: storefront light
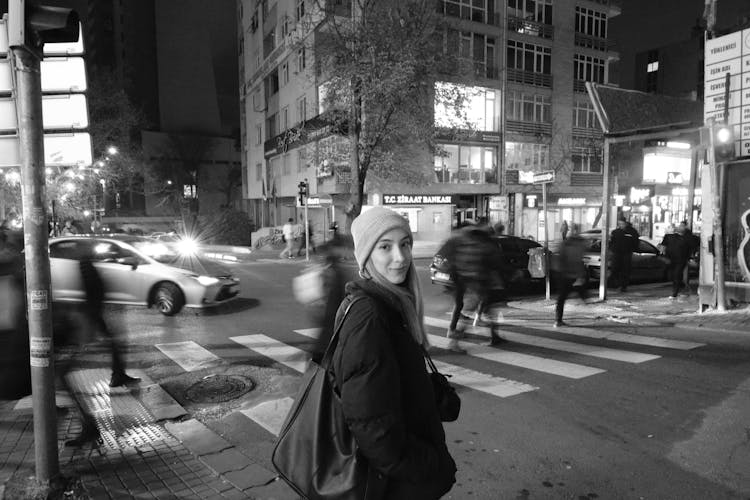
{"type": "Point", "coordinates": [678, 145]}
{"type": "Point", "coordinates": [680, 191]}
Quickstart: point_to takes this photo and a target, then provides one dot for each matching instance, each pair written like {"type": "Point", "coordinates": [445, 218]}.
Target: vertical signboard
{"type": "Point", "coordinates": [729, 54]}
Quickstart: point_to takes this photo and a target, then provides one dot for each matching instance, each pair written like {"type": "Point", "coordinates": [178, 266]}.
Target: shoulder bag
{"type": "Point", "coordinates": [315, 452]}
{"type": "Point", "coordinates": [447, 400]}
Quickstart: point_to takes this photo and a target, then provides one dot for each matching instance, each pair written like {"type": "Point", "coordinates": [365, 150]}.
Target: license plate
{"type": "Point", "coordinates": [442, 276]}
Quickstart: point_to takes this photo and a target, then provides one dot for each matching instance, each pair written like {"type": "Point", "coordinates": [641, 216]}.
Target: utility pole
{"type": "Point", "coordinates": [26, 66]}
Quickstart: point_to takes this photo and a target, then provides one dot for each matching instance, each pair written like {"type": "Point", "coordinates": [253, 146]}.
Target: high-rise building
{"type": "Point", "coordinates": [530, 60]}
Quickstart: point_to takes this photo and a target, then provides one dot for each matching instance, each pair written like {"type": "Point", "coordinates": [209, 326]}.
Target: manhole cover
{"type": "Point", "coordinates": [219, 388]}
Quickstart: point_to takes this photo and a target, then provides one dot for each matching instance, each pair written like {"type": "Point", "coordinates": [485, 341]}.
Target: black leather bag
{"type": "Point", "coordinates": [447, 400]}
{"type": "Point", "coordinates": [315, 452]}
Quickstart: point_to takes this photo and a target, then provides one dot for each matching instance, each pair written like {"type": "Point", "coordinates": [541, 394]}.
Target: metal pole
{"type": "Point", "coordinates": [606, 195]}
{"type": "Point", "coordinates": [691, 202]}
{"type": "Point", "coordinates": [31, 139]}
{"type": "Point", "coordinates": [546, 243]}
{"type": "Point", "coordinates": [307, 225]}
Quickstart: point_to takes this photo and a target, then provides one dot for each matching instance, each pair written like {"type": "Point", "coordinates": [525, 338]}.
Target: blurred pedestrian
{"type": "Point", "coordinates": [678, 247]}
{"type": "Point", "coordinates": [334, 283]}
{"type": "Point", "coordinates": [379, 369]}
{"type": "Point", "coordinates": [476, 265]}
{"type": "Point", "coordinates": [309, 242]}
{"type": "Point", "coordinates": [287, 232]}
{"type": "Point", "coordinates": [69, 229]}
{"type": "Point", "coordinates": [572, 271]}
{"type": "Point", "coordinates": [499, 229]}
{"type": "Point", "coordinates": [564, 229]}
{"type": "Point", "coordinates": [15, 371]}
{"type": "Point", "coordinates": [93, 309]}
{"type": "Point", "coordinates": [624, 240]}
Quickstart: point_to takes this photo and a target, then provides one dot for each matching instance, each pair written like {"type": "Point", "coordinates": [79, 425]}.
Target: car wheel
{"type": "Point", "coordinates": [168, 299]}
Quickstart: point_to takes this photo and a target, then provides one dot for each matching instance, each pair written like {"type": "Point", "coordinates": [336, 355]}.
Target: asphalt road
{"type": "Point", "coordinates": [550, 414]}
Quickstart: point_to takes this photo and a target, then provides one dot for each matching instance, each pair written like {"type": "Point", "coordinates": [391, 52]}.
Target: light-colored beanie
{"type": "Point", "coordinates": [370, 226]}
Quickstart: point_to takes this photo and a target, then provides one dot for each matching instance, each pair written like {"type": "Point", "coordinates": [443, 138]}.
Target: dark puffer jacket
{"type": "Point", "coordinates": [388, 400]}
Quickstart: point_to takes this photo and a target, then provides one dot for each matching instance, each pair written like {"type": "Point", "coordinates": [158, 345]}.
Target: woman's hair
{"type": "Point", "coordinates": [408, 295]}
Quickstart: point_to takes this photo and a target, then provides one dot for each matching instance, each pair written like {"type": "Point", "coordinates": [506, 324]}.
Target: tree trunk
{"type": "Point", "coordinates": [357, 173]}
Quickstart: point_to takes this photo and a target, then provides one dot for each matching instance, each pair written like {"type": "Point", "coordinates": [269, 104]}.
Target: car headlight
{"type": "Point", "coordinates": [206, 280]}
{"type": "Point", "coordinates": [187, 246]}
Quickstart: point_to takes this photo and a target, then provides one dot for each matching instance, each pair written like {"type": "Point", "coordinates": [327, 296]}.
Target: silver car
{"type": "Point", "coordinates": [138, 271]}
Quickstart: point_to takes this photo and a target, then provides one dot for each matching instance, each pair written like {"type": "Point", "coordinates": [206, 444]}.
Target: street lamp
{"type": "Point", "coordinates": [112, 150]}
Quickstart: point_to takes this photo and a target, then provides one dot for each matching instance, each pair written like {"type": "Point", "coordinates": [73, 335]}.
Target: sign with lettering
{"type": "Point", "coordinates": [544, 177]}
{"type": "Point", "coordinates": [416, 199]}
{"type": "Point", "coordinates": [729, 55]}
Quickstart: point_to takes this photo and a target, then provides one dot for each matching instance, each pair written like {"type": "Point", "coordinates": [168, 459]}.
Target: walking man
{"type": "Point", "coordinates": [624, 241]}
{"type": "Point", "coordinates": [288, 232]}
{"type": "Point", "coordinates": [678, 247]}
{"type": "Point", "coordinates": [564, 230]}
{"type": "Point", "coordinates": [573, 274]}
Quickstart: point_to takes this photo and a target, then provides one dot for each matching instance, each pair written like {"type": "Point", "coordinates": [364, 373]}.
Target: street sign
{"type": "Point", "coordinates": [729, 54]}
{"type": "Point", "coordinates": [60, 150]}
{"type": "Point", "coordinates": [544, 177]}
{"type": "Point", "coordinates": [59, 112]}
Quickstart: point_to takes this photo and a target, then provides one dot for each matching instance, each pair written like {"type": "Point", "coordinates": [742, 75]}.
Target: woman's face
{"type": "Point", "coordinates": [391, 256]}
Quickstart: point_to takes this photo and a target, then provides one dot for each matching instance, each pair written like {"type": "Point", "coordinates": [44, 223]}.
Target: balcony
{"type": "Point", "coordinates": [594, 42]}
{"type": "Point", "coordinates": [465, 12]}
{"type": "Point", "coordinates": [586, 133]}
{"type": "Point", "coordinates": [528, 128]}
{"type": "Point", "coordinates": [586, 179]}
{"type": "Point", "coordinates": [530, 78]}
{"type": "Point", "coordinates": [532, 28]}
{"type": "Point", "coordinates": [579, 85]}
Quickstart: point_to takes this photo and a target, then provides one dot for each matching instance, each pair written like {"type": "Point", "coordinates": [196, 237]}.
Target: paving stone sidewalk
{"type": "Point", "coordinates": [144, 451]}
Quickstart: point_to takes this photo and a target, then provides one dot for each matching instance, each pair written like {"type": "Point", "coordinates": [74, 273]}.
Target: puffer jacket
{"type": "Point", "coordinates": [388, 400]}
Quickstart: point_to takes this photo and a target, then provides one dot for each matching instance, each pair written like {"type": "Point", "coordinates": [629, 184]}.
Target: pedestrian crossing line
{"type": "Point", "coordinates": [583, 349]}
{"type": "Point", "coordinates": [294, 358]}
{"type": "Point", "coordinates": [496, 386]}
{"type": "Point", "coordinates": [616, 336]}
{"type": "Point", "coordinates": [489, 384]}
{"type": "Point", "coordinates": [444, 323]}
{"type": "Point", "coordinates": [270, 414]}
{"type": "Point", "coordinates": [536, 363]}
{"type": "Point", "coordinates": [189, 355]}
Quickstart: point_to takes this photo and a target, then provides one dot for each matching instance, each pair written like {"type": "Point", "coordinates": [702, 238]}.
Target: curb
{"type": "Point", "coordinates": [226, 461]}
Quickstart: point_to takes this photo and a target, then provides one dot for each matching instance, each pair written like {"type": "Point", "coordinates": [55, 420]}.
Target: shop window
{"type": "Point", "coordinates": [463, 164]}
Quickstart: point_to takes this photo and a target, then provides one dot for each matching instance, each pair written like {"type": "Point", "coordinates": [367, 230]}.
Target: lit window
{"type": "Point", "coordinates": [652, 66]}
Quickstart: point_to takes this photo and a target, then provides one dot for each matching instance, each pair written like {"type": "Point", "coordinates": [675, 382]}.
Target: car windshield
{"type": "Point", "coordinates": [157, 250]}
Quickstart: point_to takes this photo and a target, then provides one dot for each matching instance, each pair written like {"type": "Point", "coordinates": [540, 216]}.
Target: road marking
{"type": "Point", "coordinates": [468, 328]}
{"type": "Point", "coordinates": [497, 386]}
{"type": "Point", "coordinates": [616, 336]}
{"type": "Point", "coordinates": [545, 365]}
{"type": "Point", "coordinates": [270, 414]}
{"type": "Point", "coordinates": [294, 358]}
{"type": "Point", "coordinates": [189, 355]}
{"type": "Point", "coordinates": [584, 349]}
{"type": "Point", "coordinates": [704, 328]}
{"type": "Point", "coordinates": [313, 333]}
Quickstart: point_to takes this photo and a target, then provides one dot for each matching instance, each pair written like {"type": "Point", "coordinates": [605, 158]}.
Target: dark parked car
{"type": "Point", "coordinates": [515, 252]}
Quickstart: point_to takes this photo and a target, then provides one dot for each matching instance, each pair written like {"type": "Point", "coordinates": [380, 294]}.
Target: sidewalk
{"type": "Point", "coordinates": [145, 451]}
{"type": "Point", "coordinates": [647, 304]}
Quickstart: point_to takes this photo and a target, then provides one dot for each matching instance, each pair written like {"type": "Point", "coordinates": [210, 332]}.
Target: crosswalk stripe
{"type": "Point", "coordinates": [584, 349]}
{"type": "Point", "coordinates": [294, 358]}
{"type": "Point", "coordinates": [545, 365]}
{"type": "Point", "coordinates": [617, 336]}
{"type": "Point", "coordinates": [189, 355]}
{"type": "Point", "coordinates": [270, 414]}
{"type": "Point", "coordinates": [497, 386]}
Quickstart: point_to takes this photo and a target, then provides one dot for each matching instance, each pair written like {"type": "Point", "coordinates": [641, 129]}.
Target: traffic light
{"type": "Point", "coordinates": [723, 143]}
{"type": "Point", "coordinates": [302, 186]}
{"type": "Point", "coordinates": [32, 25]}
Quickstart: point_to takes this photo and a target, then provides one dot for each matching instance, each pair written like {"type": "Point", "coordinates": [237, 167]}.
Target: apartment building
{"type": "Point", "coordinates": [530, 59]}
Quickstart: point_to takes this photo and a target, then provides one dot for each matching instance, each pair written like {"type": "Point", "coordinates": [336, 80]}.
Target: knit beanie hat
{"type": "Point", "coordinates": [370, 226]}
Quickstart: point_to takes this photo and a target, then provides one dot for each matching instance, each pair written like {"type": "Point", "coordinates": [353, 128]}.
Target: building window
{"type": "Point", "coordinates": [284, 26]}
{"type": "Point", "coordinates": [272, 126]}
{"type": "Point", "coordinates": [284, 74]}
{"type": "Point", "coordinates": [464, 164]}
{"type": "Point", "coordinates": [529, 57]}
{"type": "Point", "coordinates": [258, 171]}
{"type": "Point", "coordinates": [474, 10]}
{"type": "Point", "coordinates": [527, 158]}
{"type": "Point", "coordinates": [584, 115]}
{"type": "Point", "coordinates": [272, 84]}
{"type": "Point", "coordinates": [284, 119]}
{"type": "Point", "coordinates": [539, 11]}
{"type": "Point", "coordinates": [652, 71]}
{"type": "Point", "coordinates": [587, 160]}
{"type": "Point", "coordinates": [258, 135]}
{"type": "Point", "coordinates": [301, 63]}
{"type": "Point", "coordinates": [286, 168]}
{"type": "Point", "coordinates": [300, 9]}
{"type": "Point", "coordinates": [591, 22]}
{"type": "Point", "coordinates": [479, 51]}
{"type": "Point", "coordinates": [528, 107]}
{"type": "Point", "coordinates": [302, 109]}
{"type": "Point", "coordinates": [301, 159]}
{"type": "Point", "coordinates": [588, 68]}
{"type": "Point", "coordinates": [477, 109]}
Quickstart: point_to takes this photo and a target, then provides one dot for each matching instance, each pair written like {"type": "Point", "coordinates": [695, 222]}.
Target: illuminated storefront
{"type": "Point", "coordinates": [573, 209]}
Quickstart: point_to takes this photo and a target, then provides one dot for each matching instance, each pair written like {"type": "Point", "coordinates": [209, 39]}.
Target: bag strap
{"type": "Point", "coordinates": [339, 322]}
{"type": "Point", "coordinates": [430, 363]}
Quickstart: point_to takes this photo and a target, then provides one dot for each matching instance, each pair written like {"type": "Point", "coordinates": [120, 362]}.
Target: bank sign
{"type": "Point", "coordinates": [729, 54]}
{"type": "Point", "coordinates": [416, 199]}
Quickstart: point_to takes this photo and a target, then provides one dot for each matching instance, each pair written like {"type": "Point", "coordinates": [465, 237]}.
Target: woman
{"type": "Point", "coordinates": [379, 366]}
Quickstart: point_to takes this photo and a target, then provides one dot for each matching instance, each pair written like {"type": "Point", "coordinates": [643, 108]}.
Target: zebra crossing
{"type": "Point", "coordinates": [191, 356]}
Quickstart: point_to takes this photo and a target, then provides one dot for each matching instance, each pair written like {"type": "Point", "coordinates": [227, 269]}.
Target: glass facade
{"type": "Point", "coordinates": [466, 164]}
